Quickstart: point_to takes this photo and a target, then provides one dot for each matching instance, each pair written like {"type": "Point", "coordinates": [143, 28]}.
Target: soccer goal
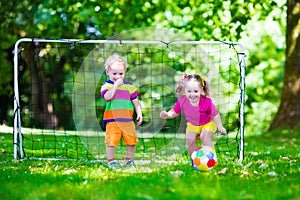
{"type": "Point", "coordinates": [58, 108]}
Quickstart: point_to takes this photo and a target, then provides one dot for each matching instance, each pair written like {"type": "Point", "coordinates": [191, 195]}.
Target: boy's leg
{"type": "Point", "coordinates": [110, 153]}
{"type": "Point", "coordinates": [130, 139]}
{"type": "Point", "coordinates": [112, 139]}
{"type": "Point", "coordinates": [130, 149]}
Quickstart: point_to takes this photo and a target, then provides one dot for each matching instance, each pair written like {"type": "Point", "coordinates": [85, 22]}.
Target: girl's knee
{"type": "Point", "coordinates": [191, 137]}
{"type": "Point", "coordinates": [206, 134]}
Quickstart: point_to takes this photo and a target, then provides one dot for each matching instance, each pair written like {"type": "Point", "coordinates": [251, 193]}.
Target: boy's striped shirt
{"type": "Point", "coordinates": [120, 107]}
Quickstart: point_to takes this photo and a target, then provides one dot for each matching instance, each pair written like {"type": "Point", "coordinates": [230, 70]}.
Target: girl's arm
{"type": "Point", "coordinates": [138, 110]}
{"type": "Point", "coordinates": [167, 115]}
{"type": "Point", "coordinates": [218, 121]}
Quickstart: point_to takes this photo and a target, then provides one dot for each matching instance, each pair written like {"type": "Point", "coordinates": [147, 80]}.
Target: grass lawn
{"type": "Point", "coordinates": [270, 170]}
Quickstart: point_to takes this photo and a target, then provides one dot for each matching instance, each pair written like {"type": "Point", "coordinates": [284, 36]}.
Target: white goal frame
{"type": "Point", "coordinates": [17, 128]}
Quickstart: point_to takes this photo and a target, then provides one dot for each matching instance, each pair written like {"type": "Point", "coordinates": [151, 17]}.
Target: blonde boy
{"type": "Point", "coordinates": [121, 101]}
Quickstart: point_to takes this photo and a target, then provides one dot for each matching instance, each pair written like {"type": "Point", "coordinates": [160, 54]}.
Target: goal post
{"type": "Point", "coordinates": [58, 108]}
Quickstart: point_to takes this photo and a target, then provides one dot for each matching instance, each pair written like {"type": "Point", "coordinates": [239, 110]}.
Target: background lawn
{"type": "Point", "coordinates": [270, 170]}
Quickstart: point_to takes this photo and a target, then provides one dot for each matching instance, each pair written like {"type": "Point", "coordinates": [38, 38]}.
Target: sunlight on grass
{"type": "Point", "coordinates": [271, 160]}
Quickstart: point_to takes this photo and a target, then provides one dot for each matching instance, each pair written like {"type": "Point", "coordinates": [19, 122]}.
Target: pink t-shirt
{"type": "Point", "coordinates": [196, 115]}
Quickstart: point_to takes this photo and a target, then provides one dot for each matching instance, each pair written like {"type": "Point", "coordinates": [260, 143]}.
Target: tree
{"type": "Point", "coordinates": [68, 19]}
{"type": "Point", "coordinates": [288, 114]}
{"type": "Point", "coordinates": [201, 20]}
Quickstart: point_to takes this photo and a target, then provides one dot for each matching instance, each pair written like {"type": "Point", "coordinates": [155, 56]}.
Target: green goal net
{"type": "Point", "coordinates": [58, 107]}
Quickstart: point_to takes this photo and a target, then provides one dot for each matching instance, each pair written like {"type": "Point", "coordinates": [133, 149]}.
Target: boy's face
{"type": "Point", "coordinates": [116, 71]}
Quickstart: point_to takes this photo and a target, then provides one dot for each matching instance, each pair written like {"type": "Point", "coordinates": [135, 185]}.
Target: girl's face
{"type": "Point", "coordinates": [116, 71]}
{"type": "Point", "coordinates": [193, 91]}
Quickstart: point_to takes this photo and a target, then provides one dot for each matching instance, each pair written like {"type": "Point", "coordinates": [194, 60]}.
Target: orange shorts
{"type": "Point", "coordinates": [116, 130]}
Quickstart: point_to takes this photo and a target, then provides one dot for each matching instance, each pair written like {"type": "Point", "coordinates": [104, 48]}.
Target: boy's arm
{"type": "Point", "coordinates": [167, 115]}
{"type": "Point", "coordinates": [112, 91]}
{"type": "Point", "coordinates": [218, 121]}
{"type": "Point", "coordinates": [138, 110]}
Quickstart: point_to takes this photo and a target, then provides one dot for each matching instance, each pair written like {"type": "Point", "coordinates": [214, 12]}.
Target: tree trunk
{"type": "Point", "coordinates": [41, 105]}
{"type": "Point", "coordinates": [288, 114]}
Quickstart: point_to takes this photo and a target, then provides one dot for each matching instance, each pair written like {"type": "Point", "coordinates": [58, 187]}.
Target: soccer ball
{"type": "Point", "coordinates": [204, 158]}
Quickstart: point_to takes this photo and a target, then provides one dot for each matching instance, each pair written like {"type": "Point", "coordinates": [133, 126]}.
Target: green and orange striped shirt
{"type": "Point", "coordinates": [120, 107]}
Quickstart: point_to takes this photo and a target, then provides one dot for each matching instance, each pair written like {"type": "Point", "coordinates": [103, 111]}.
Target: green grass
{"type": "Point", "coordinates": [270, 170]}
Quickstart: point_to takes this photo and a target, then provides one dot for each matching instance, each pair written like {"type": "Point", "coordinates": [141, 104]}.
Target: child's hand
{"type": "Point", "coordinates": [119, 82]}
{"type": "Point", "coordinates": [223, 130]}
{"type": "Point", "coordinates": [139, 119]}
{"type": "Point", "coordinates": [164, 114]}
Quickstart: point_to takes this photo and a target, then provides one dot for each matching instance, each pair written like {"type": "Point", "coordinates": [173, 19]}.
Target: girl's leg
{"type": "Point", "coordinates": [205, 137]}
{"type": "Point", "coordinates": [130, 149]}
{"type": "Point", "coordinates": [191, 138]}
{"type": "Point", "coordinates": [110, 153]}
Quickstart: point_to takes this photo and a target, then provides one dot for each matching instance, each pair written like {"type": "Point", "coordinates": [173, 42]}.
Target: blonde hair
{"type": "Point", "coordinates": [115, 58]}
{"type": "Point", "coordinates": [180, 86]}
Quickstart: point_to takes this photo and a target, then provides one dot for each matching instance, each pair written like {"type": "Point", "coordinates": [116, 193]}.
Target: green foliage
{"type": "Point", "coordinates": [270, 160]}
{"type": "Point", "coordinates": [264, 74]}
{"type": "Point", "coordinates": [199, 20]}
